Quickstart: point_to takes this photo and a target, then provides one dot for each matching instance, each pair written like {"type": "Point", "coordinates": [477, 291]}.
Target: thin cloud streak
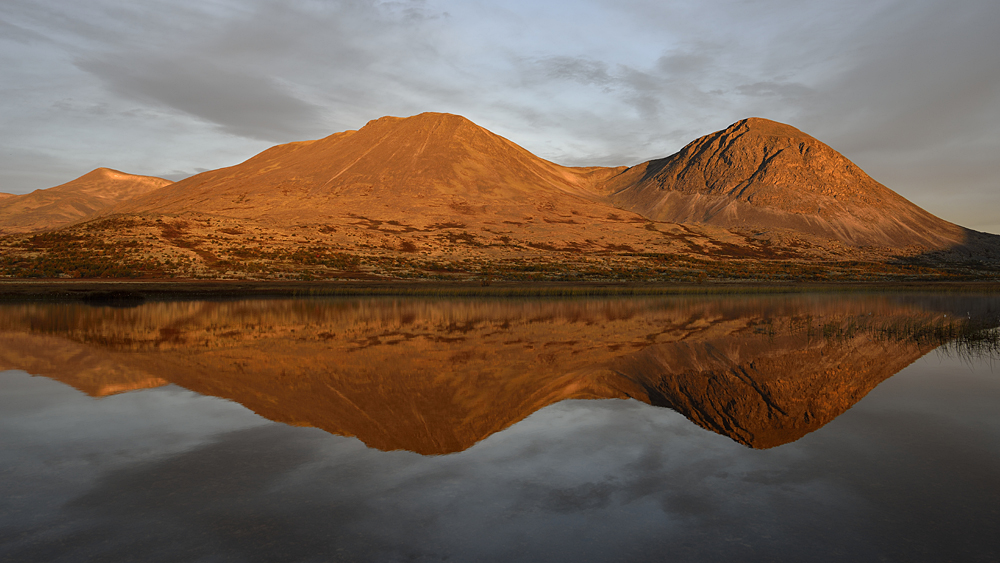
{"type": "Point", "coordinates": [241, 104]}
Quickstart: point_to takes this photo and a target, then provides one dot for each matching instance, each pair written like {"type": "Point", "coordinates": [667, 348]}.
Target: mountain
{"type": "Point", "coordinates": [756, 175]}
{"type": "Point", "coordinates": [419, 169]}
{"type": "Point", "coordinates": [759, 175]}
{"type": "Point", "coordinates": [433, 188]}
{"type": "Point", "coordinates": [73, 201]}
{"type": "Point", "coordinates": [436, 196]}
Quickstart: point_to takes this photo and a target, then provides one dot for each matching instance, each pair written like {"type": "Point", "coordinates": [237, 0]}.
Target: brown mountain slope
{"type": "Point", "coordinates": [418, 169]}
{"type": "Point", "coordinates": [432, 185]}
{"type": "Point", "coordinates": [759, 174]}
{"type": "Point", "coordinates": [73, 201]}
{"type": "Point", "coordinates": [433, 188]}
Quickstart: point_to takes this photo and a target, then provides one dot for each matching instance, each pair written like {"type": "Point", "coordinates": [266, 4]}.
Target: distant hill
{"type": "Point", "coordinates": [759, 174]}
{"type": "Point", "coordinates": [73, 201]}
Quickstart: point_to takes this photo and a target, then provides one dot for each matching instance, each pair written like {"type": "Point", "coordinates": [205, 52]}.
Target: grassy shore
{"type": "Point", "coordinates": [138, 290]}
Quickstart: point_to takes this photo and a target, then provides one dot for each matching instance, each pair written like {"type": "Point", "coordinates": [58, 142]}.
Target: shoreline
{"type": "Point", "coordinates": [168, 290]}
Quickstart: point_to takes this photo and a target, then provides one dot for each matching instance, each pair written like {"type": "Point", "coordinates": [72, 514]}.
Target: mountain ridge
{"type": "Point", "coordinates": [755, 174]}
{"type": "Point", "coordinates": [435, 195]}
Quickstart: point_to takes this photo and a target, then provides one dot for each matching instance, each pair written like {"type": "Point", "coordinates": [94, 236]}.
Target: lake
{"type": "Point", "coordinates": [802, 427]}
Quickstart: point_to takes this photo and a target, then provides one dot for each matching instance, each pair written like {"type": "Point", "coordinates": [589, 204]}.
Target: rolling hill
{"type": "Point", "coordinates": [73, 201]}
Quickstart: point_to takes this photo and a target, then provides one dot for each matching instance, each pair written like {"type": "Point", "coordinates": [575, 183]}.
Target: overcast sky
{"type": "Point", "coordinates": [908, 89]}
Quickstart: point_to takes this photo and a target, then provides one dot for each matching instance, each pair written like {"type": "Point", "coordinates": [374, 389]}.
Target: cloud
{"type": "Point", "coordinates": [772, 89]}
{"type": "Point", "coordinates": [240, 103]}
{"type": "Point", "coordinates": [16, 33]}
{"type": "Point", "coordinates": [917, 75]}
{"type": "Point", "coordinates": [684, 63]}
{"type": "Point", "coordinates": [577, 69]}
{"type": "Point", "coordinates": [916, 103]}
{"type": "Point", "coordinates": [26, 170]}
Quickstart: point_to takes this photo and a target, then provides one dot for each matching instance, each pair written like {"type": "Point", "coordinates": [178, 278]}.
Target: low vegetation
{"type": "Point", "coordinates": [360, 248]}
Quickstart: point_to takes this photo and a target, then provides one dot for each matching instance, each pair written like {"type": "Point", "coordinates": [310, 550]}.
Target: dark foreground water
{"type": "Point", "coordinates": [768, 429]}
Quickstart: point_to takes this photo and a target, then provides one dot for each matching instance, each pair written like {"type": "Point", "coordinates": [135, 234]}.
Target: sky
{"type": "Point", "coordinates": [907, 89]}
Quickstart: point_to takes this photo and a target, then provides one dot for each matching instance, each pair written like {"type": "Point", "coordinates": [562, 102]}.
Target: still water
{"type": "Point", "coordinates": [768, 428]}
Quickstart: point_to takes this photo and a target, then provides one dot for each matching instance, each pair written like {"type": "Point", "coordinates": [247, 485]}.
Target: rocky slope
{"type": "Point", "coordinates": [760, 175]}
{"type": "Point", "coordinates": [73, 201]}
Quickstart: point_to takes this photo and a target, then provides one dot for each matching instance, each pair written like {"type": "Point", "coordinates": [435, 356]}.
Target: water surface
{"type": "Point", "coordinates": [817, 428]}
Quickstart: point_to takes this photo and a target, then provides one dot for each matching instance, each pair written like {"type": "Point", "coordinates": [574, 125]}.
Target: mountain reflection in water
{"type": "Point", "coordinates": [437, 376]}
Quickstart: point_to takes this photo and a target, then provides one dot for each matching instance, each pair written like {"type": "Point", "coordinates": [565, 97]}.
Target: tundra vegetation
{"type": "Point", "coordinates": [213, 249]}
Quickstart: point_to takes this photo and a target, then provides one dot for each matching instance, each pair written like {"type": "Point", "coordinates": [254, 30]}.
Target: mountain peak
{"type": "Point", "coordinates": [422, 121]}
{"type": "Point", "coordinates": [103, 173]}
{"type": "Point", "coordinates": [428, 165]}
{"type": "Point", "coordinates": [110, 183]}
{"type": "Point", "coordinates": [762, 174]}
{"type": "Point", "coordinates": [762, 127]}
{"type": "Point", "coordinates": [73, 201]}
{"type": "Point", "coordinates": [430, 128]}
{"type": "Point", "coordinates": [425, 117]}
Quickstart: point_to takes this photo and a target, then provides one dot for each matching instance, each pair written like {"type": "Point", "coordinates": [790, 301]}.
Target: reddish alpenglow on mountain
{"type": "Point", "coordinates": [429, 166]}
{"type": "Point", "coordinates": [436, 196]}
{"type": "Point", "coordinates": [762, 174]}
